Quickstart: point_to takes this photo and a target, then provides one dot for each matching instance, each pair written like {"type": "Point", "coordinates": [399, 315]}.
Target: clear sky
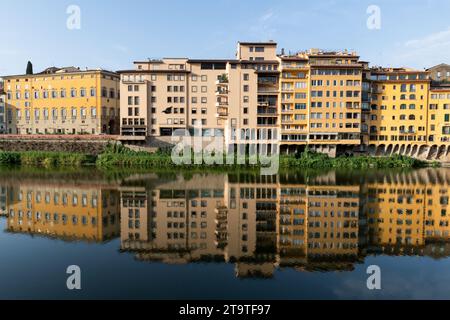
{"type": "Point", "coordinates": [414, 33]}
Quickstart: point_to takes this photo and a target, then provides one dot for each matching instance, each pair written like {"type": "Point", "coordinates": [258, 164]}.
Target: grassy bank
{"type": "Point", "coordinates": [47, 159]}
{"type": "Point", "coordinates": [121, 157]}
{"type": "Point", "coordinates": [312, 160]}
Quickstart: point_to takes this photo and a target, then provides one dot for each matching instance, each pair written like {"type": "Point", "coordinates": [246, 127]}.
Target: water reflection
{"type": "Point", "coordinates": [260, 224]}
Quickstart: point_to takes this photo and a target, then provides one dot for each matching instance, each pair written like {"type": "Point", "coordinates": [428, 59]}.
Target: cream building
{"type": "Point", "coordinates": [237, 99]}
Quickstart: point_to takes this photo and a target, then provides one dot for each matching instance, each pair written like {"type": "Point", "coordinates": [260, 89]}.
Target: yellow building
{"type": "Point", "coordinates": [321, 98]}
{"type": "Point", "coordinates": [398, 117]}
{"type": "Point", "coordinates": [294, 87]}
{"type": "Point", "coordinates": [63, 101]}
{"type": "Point", "coordinates": [439, 122]}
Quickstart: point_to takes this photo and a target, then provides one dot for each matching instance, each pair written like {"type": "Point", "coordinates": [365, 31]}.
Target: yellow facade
{"type": "Point", "coordinates": [295, 94]}
{"type": "Point", "coordinates": [63, 101]}
{"type": "Point", "coordinates": [321, 98]}
{"type": "Point", "coordinates": [399, 108]}
{"type": "Point", "coordinates": [439, 116]}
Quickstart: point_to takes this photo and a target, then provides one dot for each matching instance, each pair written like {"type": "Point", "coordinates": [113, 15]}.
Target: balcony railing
{"type": "Point", "coordinates": [222, 104]}
{"type": "Point", "coordinates": [408, 131]}
{"type": "Point", "coordinates": [222, 112]}
{"type": "Point", "coordinates": [222, 81]}
{"type": "Point", "coordinates": [271, 111]}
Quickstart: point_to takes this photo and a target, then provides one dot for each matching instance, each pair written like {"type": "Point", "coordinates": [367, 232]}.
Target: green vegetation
{"type": "Point", "coordinates": [117, 156]}
{"type": "Point", "coordinates": [46, 159]}
{"type": "Point", "coordinates": [313, 160]}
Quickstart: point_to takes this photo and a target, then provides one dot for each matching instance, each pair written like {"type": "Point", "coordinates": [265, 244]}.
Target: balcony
{"type": "Point", "coordinates": [268, 89]}
{"type": "Point", "coordinates": [222, 80]}
{"type": "Point", "coordinates": [270, 111]}
{"type": "Point", "coordinates": [221, 104]}
{"type": "Point", "coordinates": [222, 112]}
{"type": "Point", "coordinates": [411, 131]}
{"type": "Point", "coordinates": [222, 92]}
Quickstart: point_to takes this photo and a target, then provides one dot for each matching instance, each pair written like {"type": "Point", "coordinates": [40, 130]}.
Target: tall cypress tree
{"type": "Point", "coordinates": [29, 68]}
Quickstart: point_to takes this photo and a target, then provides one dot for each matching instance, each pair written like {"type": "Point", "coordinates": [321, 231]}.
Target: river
{"type": "Point", "coordinates": [181, 235]}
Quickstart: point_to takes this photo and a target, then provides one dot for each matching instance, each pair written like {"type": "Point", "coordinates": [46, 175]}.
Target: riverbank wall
{"type": "Point", "coordinates": [91, 145]}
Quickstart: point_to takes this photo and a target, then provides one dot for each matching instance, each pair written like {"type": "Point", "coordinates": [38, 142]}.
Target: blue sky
{"type": "Point", "coordinates": [113, 33]}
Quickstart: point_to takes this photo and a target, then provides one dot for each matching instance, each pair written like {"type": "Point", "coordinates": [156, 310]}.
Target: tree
{"type": "Point", "coordinates": [29, 68]}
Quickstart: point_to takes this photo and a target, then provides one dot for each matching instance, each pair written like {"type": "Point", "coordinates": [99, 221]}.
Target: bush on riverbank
{"type": "Point", "coordinates": [312, 160]}
{"type": "Point", "coordinates": [122, 157]}
{"type": "Point", "coordinates": [47, 159]}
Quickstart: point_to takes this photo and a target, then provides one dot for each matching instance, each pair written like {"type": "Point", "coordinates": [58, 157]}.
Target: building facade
{"type": "Point", "coordinates": [2, 108]}
{"type": "Point", "coordinates": [71, 213]}
{"type": "Point", "coordinates": [330, 101]}
{"type": "Point", "coordinates": [63, 101]}
{"type": "Point", "coordinates": [440, 73]}
{"type": "Point", "coordinates": [235, 99]}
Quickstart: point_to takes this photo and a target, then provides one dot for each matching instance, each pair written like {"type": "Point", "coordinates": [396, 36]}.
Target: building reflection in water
{"type": "Point", "coordinates": [82, 212]}
{"type": "Point", "coordinates": [259, 224]}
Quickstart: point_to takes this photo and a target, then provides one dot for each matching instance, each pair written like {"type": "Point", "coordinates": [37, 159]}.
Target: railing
{"type": "Point", "coordinates": [222, 81]}
{"type": "Point", "coordinates": [268, 111]}
{"type": "Point", "coordinates": [221, 104]}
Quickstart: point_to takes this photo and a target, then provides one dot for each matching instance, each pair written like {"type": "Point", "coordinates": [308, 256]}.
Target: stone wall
{"type": "Point", "coordinates": [76, 145]}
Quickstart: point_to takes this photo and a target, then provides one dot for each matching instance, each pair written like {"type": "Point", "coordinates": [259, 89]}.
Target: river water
{"type": "Point", "coordinates": [181, 235]}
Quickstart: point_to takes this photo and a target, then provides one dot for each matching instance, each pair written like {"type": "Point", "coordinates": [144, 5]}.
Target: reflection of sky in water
{"type": "Point", "coordinates": [35, 268]}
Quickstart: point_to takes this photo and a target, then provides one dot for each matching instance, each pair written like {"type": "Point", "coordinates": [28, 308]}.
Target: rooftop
{"type": "Point", "coordinates": [442, 65]}
{"type": "Point", "coordinates": [263, 43]}
{"type": "Point", "coordinates": [59, 71]}
{"type": "Point", "coordinates": [395, 70]}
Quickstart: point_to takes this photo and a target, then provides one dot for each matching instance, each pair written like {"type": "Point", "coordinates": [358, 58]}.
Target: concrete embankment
{"type": "Point", "coordinates": [92, 145]}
